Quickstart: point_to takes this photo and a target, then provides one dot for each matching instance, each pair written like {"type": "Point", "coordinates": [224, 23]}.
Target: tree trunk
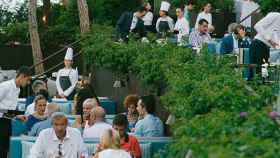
{"type": "Point", "coordinates": [84, 25]}
{"type": "Point", "coordinates": [46, 11]}
{"type": "Point", "coordinates": [34, 37]}
{"type": "Point", "coordinates": [84, 17]}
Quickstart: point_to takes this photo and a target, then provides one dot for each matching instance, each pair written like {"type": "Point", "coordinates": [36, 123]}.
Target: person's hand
{"type": "Point", "coordinates": [62, 96]}
{"type": "Point", "coordinates": [273, 44]}
{"type": "Point", "coordinates": [21, 117]}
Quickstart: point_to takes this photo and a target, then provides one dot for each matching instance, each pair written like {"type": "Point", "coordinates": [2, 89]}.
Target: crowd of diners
{"type": "Point", "coordinates": [59, 137]}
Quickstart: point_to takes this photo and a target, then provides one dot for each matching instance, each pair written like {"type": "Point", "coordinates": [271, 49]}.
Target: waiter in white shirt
{"type": "Point", "coordinates": [67, 77]}
{"type": "Point", "coordinates": [181, 27]}
{"type": "Point", "coordinates": [9, 92]}
{"type": "Point", "coordinates": [268, 36]}
{"type": "Point", "coordinates": [59, 141]}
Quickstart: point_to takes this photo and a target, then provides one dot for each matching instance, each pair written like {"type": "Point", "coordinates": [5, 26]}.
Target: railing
{"type": "Point", "coordinates": [245, 18]}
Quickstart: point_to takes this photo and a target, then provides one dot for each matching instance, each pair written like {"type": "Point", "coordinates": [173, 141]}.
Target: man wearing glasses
{"type": "Point", "coordinates": [59, 141]}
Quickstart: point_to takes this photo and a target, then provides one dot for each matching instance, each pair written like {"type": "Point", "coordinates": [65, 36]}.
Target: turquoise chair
{"type": "Point", "coordinates": [149, 146]}
{"type": "Point", "coordinates": [65, 106]}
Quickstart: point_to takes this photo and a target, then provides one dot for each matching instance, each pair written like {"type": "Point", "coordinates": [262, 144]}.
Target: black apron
{"type": "Point", "coordinates": [163, 29]}
{"type": "Point", "coordinates": [65, 83]}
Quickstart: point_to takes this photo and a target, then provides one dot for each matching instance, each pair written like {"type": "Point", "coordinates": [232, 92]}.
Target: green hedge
{"type": "Point", "coordinates": [204, 92]}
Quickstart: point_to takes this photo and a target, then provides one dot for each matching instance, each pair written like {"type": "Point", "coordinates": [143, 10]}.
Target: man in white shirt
{"type": "Point", "coordinates": [97, 116]}
{"type": "Point", "coordinates": [9, 92]}
{"type": "Point", "coordinates": [181, 27]}
{"type": "Point", "coordinates": [59, 141]}
{"type": "Point", "coordinates": [268, 36]}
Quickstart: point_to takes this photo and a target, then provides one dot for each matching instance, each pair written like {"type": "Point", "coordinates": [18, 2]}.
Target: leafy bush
{"type": "Point", "coordinates": [269, 5]}
{"type": "Point", "coordinates": [205, 93]}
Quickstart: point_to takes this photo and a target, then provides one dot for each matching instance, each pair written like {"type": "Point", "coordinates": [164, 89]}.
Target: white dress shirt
{"type": "Point", "coordinates": [268, 28]}
{"type": "Point", "coordinates": [113, 153]}
{"type": "Point", "coordinates": [182, 25]}
{"type": "Point", "coordinates": [73, 75]}
{"type": "Point", "coordinates": [247, 7]}
{"type": "Point", "coordinates": [169, 21]}
{"type": "Point", "coordinates": [203, 15]}
{"type": "Point", "coordinates": [47, 145]}
{"type": "Point", "coordinates": [148, 19]}
{"type": "Point", "coordinates": [9, 95]}
{"type": "Point", "coordinates": [235, 43]}
{"type": "Point", "coordinates": [96, 130]}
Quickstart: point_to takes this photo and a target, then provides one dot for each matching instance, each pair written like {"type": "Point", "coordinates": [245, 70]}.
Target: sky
{"type": "Point", "coordinates": [11, 5]}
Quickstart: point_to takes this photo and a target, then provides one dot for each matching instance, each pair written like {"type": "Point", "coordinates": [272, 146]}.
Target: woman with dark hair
{"type": "Point", "coordinates": [129, 143]}
{"type": "Point", "coordinates": [206, 14]}
{"type": "Point", "coordinates": [148, 18]}
{"type": "Point", "coordinates": [150, 125]}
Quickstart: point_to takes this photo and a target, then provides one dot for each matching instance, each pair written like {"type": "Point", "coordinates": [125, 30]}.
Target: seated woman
{"type": "Point", "coordinates": [150, 125]}
{"type": "Point", "coordinates": [130, 103]}
{"type": "Point", "coordinates": [39, 114]}
{"type": "Point", "coordinates": [129, 143]}
{"type": "Point", "coordinates": [110, 146]}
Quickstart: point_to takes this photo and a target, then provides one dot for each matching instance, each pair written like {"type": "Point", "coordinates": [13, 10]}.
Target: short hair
{"type": "Point", "coordinates": [24, 70]}
{"type": "Point", "coordinates": [141, 9]}
{"type": "Point", "coordinates": [178, 8]}
{"type": "Point", "coordinates": [52, 108]}
{"type": "Point", "coordinates": [44, 93]}
{"type": "Point", "coordinates": [36, 85]}
{"type": "Point", "coordinates": [201, 21]}
{"type": "Point", "coordinates": [110, 139]}
{"type": "Point", "coordinates": [39, 97]}
{"type": "Point", "coordinates": [190, 2]}
{"type": "Point", "coordinates": [231, 27]}
{"type": "Point", "coordinates": [90, 101]}
{"type": "Point", "coordinates": [120, 120]}
{"type": "Point", "coordinates": [58, 115]}
{"type": "Point", "coordinates": [131, 99]}
{"type": "Point", "coordinates": [148, 102]}
{"type": "Point", "coordinates": [99, 112]}
{"type": "Point", "coordinates": [238, 27]}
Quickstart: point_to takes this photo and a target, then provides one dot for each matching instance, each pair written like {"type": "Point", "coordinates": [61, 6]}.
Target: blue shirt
{"type": "Point", "coordinates": [38, 127]}
{"type": "Point", "coordinates": [150, 126]}
{"type": "Point", "coordinates": [31, 120]}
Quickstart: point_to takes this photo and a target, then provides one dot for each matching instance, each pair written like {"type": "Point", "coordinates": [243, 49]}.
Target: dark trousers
{"type": "Point", "coordinates": [5, 133]}
{"type": "Point", "coordinates": [258, 51]}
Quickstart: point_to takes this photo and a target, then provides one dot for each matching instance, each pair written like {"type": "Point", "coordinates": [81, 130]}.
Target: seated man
{"type": "Point", "coordinates": [38, 127]}
{"type": "Point", "coordinates": [235, 40]}
{"type": "Point", "coordinates": [59, 141]}
{"type": "Point", "coordinates": [129, 143]}
{"type": "Point", "coordinates": [150, 125]}
{"type": "Point", "coordinates": [200, 35]}
{"type": "Point", "coordinates": [97, 117]}
{"type": "Point", "coordinates": [88, 105]}
{"type": "Point", "coordinates": [131, 22]}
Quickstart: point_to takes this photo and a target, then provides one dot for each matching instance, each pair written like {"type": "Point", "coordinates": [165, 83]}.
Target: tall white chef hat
{"type": "Point", "coordinates": [164, 6]}
{"type": "Point", "coordinates": [69, 54]}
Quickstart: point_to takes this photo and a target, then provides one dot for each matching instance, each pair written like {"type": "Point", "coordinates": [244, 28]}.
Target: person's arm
{"type": "Point", "coordinates": [74, 80]}
{"type": "Point", "coordinates": [37, 150]}
{"type": "Point", "coordinates": [157, 24]}
{"type": "Point", "coordinates": [186, 28]}
{"type": "Point", "coordinates": [3, 91]}
{"type": "Point", "coordinates": [138, 129]}
{"type": "Point", "coordinates": [58, 87]}
{"type": "Point", "coordinates": [171, 24]}
{"type": "Point", "coordinates": [223, 46]}
{"type": "Point", "coordinates": [197, 20]}
{"type": "Point", "coordinates": [33, 131]}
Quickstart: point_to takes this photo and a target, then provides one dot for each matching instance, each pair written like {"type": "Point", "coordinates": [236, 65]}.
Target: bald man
{"type": "Point", "coordinates": [97, 118]}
